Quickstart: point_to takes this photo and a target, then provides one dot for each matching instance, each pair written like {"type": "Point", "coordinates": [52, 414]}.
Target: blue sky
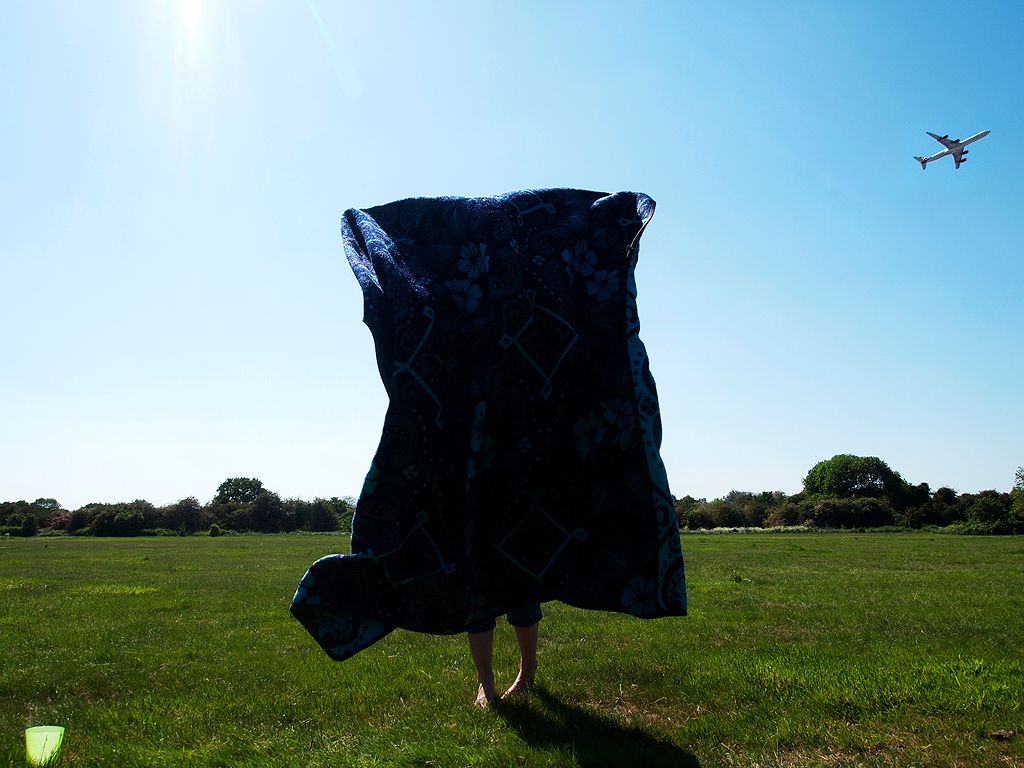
{"type": "Point", "coordinates": [177, 308]}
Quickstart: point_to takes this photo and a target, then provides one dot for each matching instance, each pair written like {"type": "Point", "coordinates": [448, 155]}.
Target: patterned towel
{"type": "Point", "coordinates": [519, 457]}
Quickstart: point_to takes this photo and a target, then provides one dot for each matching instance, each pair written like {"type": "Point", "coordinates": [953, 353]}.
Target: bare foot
{"type": "Point", "coordinates": [485, 696]}
{"type": "Point", "coordinates": [523, 683]}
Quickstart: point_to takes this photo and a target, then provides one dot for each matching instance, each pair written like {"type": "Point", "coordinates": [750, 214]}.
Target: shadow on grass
{"type": "Point", "coordinates": [546, 722]}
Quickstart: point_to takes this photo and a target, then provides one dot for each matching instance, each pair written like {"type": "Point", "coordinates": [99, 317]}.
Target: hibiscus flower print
{"type": "Point", "coordinates": [589, 432]}
{"type": "Point", "coordinates": [618, 412]}
{"type": "Point", "coordinates": [604, 284]}
{"type": "Point", "coordinates": [334, 627]}
{"type": "Point", "coordinates": [465, 294]}
{"type": "Point", "coordinates": [648, 406]}
{"type": "Point", "coordinates": [581, 258]}
{"type": "Point", "coordinates": [638, 597]}
{"type": "Point", "coordinates": [473, 259]}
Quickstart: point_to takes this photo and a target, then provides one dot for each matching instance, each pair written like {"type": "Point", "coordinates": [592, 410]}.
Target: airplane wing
{"type": "Point", "coordinates": [958, 157]}
{"type": "Point", "coordinates": [943, 140]}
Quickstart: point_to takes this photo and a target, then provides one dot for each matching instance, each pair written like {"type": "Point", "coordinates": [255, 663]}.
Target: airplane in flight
{"type": "Point", "coordinates": [953, 147]}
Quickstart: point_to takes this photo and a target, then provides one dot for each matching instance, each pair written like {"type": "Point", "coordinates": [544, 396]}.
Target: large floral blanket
{"type": "Point", "coordinates": [519, 460]}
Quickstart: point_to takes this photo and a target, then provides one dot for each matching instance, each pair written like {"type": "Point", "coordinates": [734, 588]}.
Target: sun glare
{"type": "Point", "coordinates": [190, 25]}
{"type": "Point", "coordinates": [188, 58]}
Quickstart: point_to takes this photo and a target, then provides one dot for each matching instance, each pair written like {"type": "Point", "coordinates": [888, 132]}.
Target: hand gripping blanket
{"type": "Point", "coordinates": [519, 460]}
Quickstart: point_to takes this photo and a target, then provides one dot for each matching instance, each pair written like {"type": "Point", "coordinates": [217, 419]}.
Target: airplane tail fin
{"type": "Point", "coordinates": [923, 161]}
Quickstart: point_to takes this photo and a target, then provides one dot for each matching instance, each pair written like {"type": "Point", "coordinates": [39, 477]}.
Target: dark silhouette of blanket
{"type": "Point", "coordinates": [519, 460]}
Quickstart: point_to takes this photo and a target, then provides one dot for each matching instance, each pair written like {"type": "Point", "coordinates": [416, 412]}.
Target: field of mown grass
{"type": "Point", "coordinates": [800, 650]}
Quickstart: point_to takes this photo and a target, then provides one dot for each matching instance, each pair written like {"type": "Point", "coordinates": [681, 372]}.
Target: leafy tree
{"type": "Point", "coordinates": [78, 520]}
{"type": "Point", "coordinates": [322, 516]}
{"type": "Point", "coordinates": [294, 514]}
{"type": "Point", "coordinates": [724, 514]}
{"type": "Point", "coordinates": [787, 513]}
{"type": "Point", "coordinates": [29, 525]}
{"type": "Point", "coordinates": [863, 512]}
{"type": "Point", "coordinates": [990, 512]}
{"type": "Point", "coordinates": [124, 519]}
{"type": "Point", "coordinates": [266, 512]}
{"type": "Point", "coordinates": [232, 506]}
{"type": "Point", "coordinates": [684, 504]}
{"type": "Point", "coordinates": [129, 522]}
{"type": "Point", "coordinates": [45, 511]}
{"type": "Point", "coordinates": [748, 509]}
{"type": "Point", "coordinates": [185, 516]}
{"type": "Point", "coordinates": [685, 507]}
{"type": "Point", "coordinates": [946, 508]}
{"type": "Point", "coordinates": [12, 513]}
{"type": "Point", "coordinates": [1017, 500]}
{"type": "Point", "coordinates": [237, 518]}
{"type": "Point", "coordinates": [344, 510]}
{"type": "Point", "coordinates": [238, 490]}
{"type": "Point", "coordinates": [919, 495]}
{"type": "Point", "coordinates": [697, 516]}
{"type": "Point", "coordinates": [845, 476]}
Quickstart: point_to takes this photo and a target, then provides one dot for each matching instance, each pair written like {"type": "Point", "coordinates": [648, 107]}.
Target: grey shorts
{"type": "Point", "coordinates": [520, 617]}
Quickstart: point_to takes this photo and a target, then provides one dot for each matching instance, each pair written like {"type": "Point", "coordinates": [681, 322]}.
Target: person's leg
{"type": "Point", "coordinates": [526, 623]}
{"type": "Point", "coordinates": [527, 639]}
{"type": "Point", "coordinates": [481, 645]}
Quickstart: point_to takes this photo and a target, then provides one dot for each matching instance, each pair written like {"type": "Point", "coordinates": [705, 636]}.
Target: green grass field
{"type": "Point", "coordinates": [800, 650]}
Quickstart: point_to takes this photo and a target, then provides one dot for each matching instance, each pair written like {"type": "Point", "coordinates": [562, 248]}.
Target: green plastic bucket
{"type": "Point", "coordinates": [42, 743]}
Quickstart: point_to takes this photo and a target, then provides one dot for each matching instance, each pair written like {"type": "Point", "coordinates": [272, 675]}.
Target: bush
{"type": "Point", "coordinates": [725, 514]}
{"type": "Point", "coordinates": [991, 512]}
{"type": "Point", "coordinates": [186, 515]}
{"type": "Point", "coordinates": [215, 530]}
{"type": "Point", "coordinates": [853, 513]}
{"type": "Point", "coordinates": [697, 518]}
{"type": "Point", "coordinates": [787, 513]}
{"type": "Point", "coordinates": [975, 529]}
{"type": "Point", "coordinates": [128, 523]}
{"type": "Point", "coordinates": [914, 517]}
{"type": "Point", "coordinates": [78, 520]}
{"type": "Point", "coordinates": [29, 526]}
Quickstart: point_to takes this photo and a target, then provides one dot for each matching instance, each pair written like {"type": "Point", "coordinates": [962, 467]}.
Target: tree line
{"type": "Point", "coordinates": [849, 491]}
{"type": "Point", "coordinates": [845, 491]}
{"type": "Point", "coordinates": [241, 504]}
